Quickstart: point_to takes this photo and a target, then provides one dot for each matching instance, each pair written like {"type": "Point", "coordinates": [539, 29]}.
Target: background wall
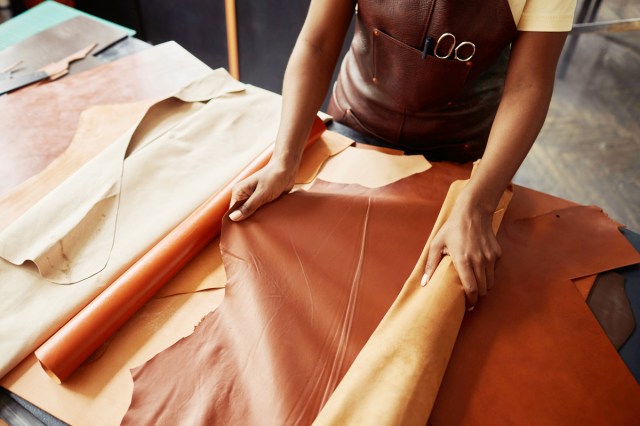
{"type": "Point", "coordinates": [267, 31]}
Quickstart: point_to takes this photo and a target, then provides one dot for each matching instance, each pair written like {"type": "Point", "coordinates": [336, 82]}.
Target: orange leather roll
{"type": "Point", "coordinates": [68, 348]}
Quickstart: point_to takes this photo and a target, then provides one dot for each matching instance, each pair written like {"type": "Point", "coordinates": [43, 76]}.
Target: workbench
{"type": "Point", "coordinates": [18, 408]}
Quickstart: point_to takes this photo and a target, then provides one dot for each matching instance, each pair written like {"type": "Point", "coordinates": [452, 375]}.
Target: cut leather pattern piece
{"type": "Point", "coordinates": [316, 155]}
{"type": "Point", "coordinates": [382, 169]}
{"type": "Point", "coordinates": [189, 163]}
{"type": "Point", "coordinates": [70, 238]}
{"type": "Point", "coordinates": [396, 376]}
{"type": "Point", "coordinates": [304, 296]}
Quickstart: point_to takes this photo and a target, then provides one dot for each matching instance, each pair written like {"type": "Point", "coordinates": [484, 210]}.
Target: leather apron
{"type": "Point", "coordinates": [442, 108]}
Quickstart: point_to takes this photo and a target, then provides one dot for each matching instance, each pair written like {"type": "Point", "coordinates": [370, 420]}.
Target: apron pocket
{"type": "Point", "coordinates": [416, 84]}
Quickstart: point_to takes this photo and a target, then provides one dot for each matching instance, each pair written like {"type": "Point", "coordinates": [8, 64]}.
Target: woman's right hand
{"type": "Point", "coordinates": [260, 188]}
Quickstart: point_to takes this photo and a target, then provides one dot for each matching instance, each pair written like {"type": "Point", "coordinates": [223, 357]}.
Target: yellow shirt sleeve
{"type": "Point", "coordinates": [543, 15]}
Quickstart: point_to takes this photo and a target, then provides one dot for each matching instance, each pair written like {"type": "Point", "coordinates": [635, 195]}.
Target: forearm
{"type": "Point", "coordinates": [306, 82]}
{"type": "Point", "coordinates": [308, 75]}
{"type": "Point", "coordinates": [518, 122]}
{"type": "Point", "coordinates": [522, 111]}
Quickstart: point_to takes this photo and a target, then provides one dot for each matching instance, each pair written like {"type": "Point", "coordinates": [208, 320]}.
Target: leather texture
{"type": "Point", "coordinates": [173, 313]}
{"type": "Point", "coordinates": [28, 145]}
{"type": "Point", "coordinates": [305, 294]}
{"type": "Point", "coordinates": [521, 357]}
{"type": "Point", "coordinates": [292, 322]}
{"type": "Point", "coordinates": [396, 376]}
{"type": "Point", "coordinates": [443, 108]}
{"type": "Point", "coordinates": [65, 351]}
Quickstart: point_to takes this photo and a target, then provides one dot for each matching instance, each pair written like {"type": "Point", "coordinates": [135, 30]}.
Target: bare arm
{"type": "Point", "coordinates": [306, 82]}
{"type": "Point", "coordinates": [467, 235]}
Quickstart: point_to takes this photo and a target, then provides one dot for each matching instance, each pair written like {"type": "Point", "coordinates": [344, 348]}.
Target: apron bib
{"type": "Point", "coordinates": [442, 108]}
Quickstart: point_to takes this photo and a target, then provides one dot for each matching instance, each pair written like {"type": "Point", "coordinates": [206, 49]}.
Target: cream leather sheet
{"type": "Point", "coordinates": [168, 171]}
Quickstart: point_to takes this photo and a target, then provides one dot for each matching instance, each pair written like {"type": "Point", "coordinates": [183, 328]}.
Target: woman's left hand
{"type": "Point", "coordinates": [468, 238]}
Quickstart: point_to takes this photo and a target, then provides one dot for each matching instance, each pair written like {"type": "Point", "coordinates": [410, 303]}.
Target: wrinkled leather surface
{"type": "Point", "coordinates": [440, 106]}
{"type": "Point", "coordinates": [30, 141]}
{"type": "Point", "coordinates": [395, 378]}
{"type": "Point", "coordinates": [305, 294]}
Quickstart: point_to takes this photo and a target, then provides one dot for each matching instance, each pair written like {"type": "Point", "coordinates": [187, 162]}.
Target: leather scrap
{"type": "Point", "coordinates": [610, 305]}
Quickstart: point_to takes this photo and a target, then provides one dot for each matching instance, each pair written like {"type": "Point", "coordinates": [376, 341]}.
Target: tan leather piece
{"type": "Point", "coordinates": [29, 145]}
{"type": "Point", "coordinates": [584, 285]}
{"type": "Point", "coordinates": [304, 311]}
{"type": "Point", "coordinates": [320, 284]}
{"type": "Point", "coordinates": [101, 124]}
{"type": "Point", "coordinates": [329, 144]}
{"type": "Point", "coordinates": [205, 272]}
{"type": "Point", "coordinates": [521, 356]}
{"type": "Point", "coordinates": [382, 169]}
{"type": "Point", "coordinates": [389, 151]}
{"type": "Point", "coordinates": [395, 377]}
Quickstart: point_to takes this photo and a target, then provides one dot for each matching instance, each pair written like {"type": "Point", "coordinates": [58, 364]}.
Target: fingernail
{"type": "Point", "coordinates": [424, 280]}
{"type": "Point", "coordinates": [471, 308]}
{"type": "Point", "coordinates": [235, 215]}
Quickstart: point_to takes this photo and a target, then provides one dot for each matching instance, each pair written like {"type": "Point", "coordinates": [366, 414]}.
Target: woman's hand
{"type": "Point", "coordinates": [468, 238]}
{"type": "Point", "coordinates": [305, 86]}
{"type": "Point", "coordinates": [261, 188]}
